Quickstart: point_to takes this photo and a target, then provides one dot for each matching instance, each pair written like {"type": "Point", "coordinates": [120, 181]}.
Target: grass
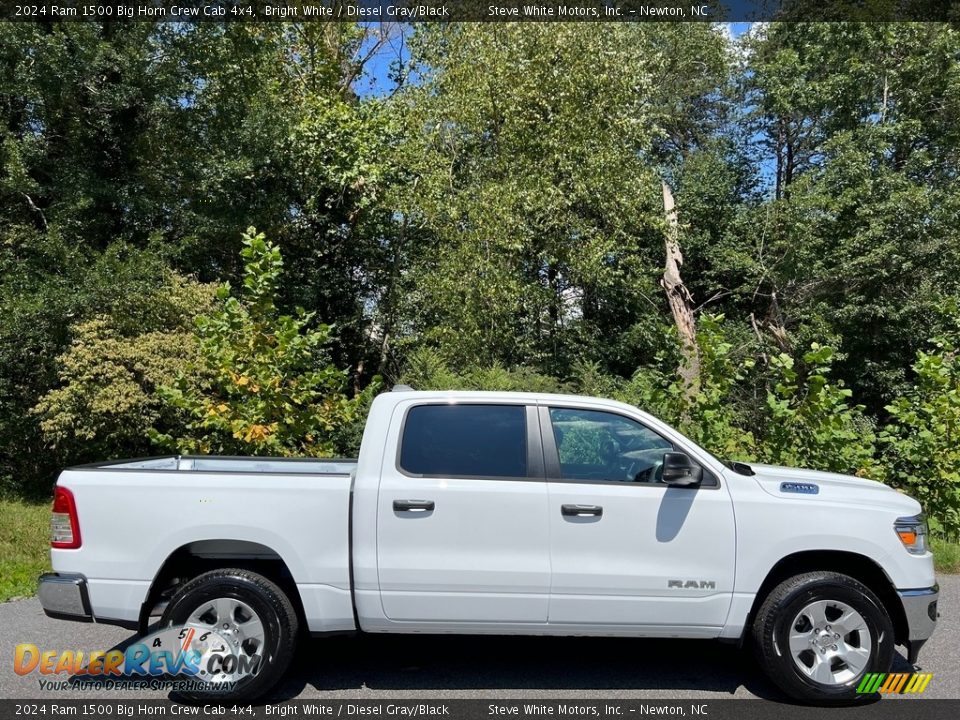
{"type": "Point", "coordinates": [25, 542]}
{"type": "Point", "coordinates": [946, 555]}
{"type": "Point", "coordinates": [24, 547]}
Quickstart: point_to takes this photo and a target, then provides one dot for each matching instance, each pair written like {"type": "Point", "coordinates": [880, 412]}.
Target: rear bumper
{"type": "Point", "coordinates": [64, 596]}
{"type": "Point", "coordinates": [920, 609]}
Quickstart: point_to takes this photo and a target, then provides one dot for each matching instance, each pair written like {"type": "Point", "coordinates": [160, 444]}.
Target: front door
{"type": "Point", "coordinates": [462, 529]}
{"type": "Point", "coordinates": [626, 549]}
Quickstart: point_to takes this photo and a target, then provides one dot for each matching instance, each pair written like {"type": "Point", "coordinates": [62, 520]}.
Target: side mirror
{"type": "Point", "coordinates": [679, 469]}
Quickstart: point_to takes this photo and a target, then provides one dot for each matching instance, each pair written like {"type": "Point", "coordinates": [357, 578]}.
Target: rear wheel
{"type": "Point", "coordinates": [817, 634]}
{"type": "Point", "coordinates": [255, 626]}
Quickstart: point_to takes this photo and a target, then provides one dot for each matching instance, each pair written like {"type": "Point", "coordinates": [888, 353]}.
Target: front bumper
{"type": "Point", "coordinates": [920, 609]}
{"type": "Point", "coordinates": [64, 596]}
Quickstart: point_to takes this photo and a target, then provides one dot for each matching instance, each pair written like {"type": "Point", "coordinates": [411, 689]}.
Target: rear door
{"type": "Point", "coordinates": [626, 549]}
{"type": "Point", "coordinates": [462, 527]}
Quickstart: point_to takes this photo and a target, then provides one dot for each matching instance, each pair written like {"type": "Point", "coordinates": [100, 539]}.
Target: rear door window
{"type": "Point", "coordinates": [483, 441]}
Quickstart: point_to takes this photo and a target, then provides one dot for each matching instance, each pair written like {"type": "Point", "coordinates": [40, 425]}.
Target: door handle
{"type": "Point", "coordinates": [413, 505]}
{"type": "Point", "coordinates": [581, 510]}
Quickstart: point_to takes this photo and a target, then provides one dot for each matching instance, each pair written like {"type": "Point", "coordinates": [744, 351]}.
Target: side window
{"type": "Point", "coordinates": [596, 445]}
{"type": "Point", "coordinates": [465, 441]}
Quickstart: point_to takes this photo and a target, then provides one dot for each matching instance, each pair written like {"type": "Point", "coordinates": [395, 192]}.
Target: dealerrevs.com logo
{"type": "Point", "coordinates": [894, 683]}
{"type": "Point", "coordinates": [182, 658]}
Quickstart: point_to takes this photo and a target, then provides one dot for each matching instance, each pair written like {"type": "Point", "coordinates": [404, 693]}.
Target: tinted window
{"type": "Point", "coordinates": [597, 445]}
{"type": "Point", "coordinates": [465, 441]}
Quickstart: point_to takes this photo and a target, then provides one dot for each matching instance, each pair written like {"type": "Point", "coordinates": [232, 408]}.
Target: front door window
{"type": "Point", "coordinates": [595, 445]}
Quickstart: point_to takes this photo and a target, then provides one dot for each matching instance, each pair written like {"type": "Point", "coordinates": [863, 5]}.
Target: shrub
{"type": "Point", "coordinates": [921, 452]}
{"type": "Point", "coordinates": [107, 400]}
{"type": "Point", "coordinates": [811, 422]}
{"type": "Point", "coordinates": [709, 414]}
{"type": "Point", "coordinates": [427, 369]}
{"type": "Point", "coordinates": [270, 387]}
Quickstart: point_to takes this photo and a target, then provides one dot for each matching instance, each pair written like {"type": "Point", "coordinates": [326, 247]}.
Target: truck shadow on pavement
{"type": "Point", "coordinates": [474, 665]}
{"type": "Point", "coordinates": [367, 666]}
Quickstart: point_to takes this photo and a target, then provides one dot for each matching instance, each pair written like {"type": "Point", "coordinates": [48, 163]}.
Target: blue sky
{"type": "Point", "coordinates": [376, 80]}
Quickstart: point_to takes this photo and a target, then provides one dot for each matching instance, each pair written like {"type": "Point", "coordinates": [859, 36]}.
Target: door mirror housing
{"type": "Point", "coordinates": [679, 469]}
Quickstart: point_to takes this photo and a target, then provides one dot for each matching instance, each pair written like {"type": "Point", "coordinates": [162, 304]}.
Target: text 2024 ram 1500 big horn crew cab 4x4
{"type": "Point", "coordinates": [503, 513]}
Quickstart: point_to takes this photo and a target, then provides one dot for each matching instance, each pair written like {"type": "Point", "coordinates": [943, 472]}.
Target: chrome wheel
{"type": "Point", "coordinates": [830, 642]}
{"type": "Point", "coordinates": [231, 629]}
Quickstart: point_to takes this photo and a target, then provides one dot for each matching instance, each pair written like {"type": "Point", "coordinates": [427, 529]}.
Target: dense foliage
{"type": "Point", "coordinates": [480, 209]}
{"type": "Point", "coordinates": [108, 399]}
{"type": "Point", "coordinates": [920, 445]}
{"type": "Point", "coordinates": [263, 383]}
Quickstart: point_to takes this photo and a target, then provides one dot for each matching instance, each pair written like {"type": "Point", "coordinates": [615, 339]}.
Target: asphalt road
{"type": "Point", "coordinates": [369, 667]}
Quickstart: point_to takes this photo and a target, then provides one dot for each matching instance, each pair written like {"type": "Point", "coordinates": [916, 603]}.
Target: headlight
{"type": "Point", "coordinates": [912, 532]}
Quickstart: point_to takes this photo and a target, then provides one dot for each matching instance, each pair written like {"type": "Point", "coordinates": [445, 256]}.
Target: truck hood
{"type": "Point", "coordinates": [814, 486]}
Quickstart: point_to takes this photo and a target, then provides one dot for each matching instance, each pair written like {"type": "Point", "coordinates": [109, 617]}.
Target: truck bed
{"type": "Point", "coordinates": [223, 463]}
{"type": "Point", "coordinates": [134, 515]}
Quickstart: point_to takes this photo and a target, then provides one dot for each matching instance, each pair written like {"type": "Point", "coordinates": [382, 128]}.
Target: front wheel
{"type": "Point", "coordinates": [253, 624]}
{"type": "Point", "coordinates": [817, 634]}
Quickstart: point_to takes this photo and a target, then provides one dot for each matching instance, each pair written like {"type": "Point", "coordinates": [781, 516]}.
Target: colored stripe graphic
{"type": "Point", "coordinates": [870, 683]}
{"type": "Point", "coordinates": [918, 683]}
{"type": "Point", "coordinates": [889, 683]}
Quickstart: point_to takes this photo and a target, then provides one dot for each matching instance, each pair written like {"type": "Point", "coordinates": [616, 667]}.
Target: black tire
{"type": "Point", "coordinates": [271, 604]}
{"type": "Point", "coordinates": [771, 629]}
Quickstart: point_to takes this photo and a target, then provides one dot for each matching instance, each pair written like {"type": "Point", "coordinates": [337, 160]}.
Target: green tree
{"type": "Point", "coordinates": [127, 150]}
{"type": "Point", "coordinates": [807, 419]}
{"type": "Point", "coordinates": [107, 403]}
{"type": "Point", "coordinates": [538, 205]}
{"type": "Point", "coordinates": [921, 452]}
{"type": "Point", "coordinates": [48, 287]}
{"type": "Point", "coordinates": [427, 369]}
{"type": "Point", "coordinates": [811, 422]}
{"type": "Point", "coordinates": [711, 415]}
{"type": "Point", "coordinates": [269, 387]}
{"type": "Point", "coordinates": [859, 245]}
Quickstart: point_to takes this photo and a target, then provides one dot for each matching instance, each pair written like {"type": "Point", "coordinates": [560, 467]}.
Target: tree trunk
{"type": "Point", "coordinates": [681, 303]}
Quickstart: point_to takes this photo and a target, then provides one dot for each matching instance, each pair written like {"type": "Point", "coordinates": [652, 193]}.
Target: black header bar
{"type": "Point", "coordinates": [414, 708]}
{"type": "Point", "coordinates": [412, 11]}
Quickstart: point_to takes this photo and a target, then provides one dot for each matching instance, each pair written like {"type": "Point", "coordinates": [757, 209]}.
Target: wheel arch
{"type": "Point", "coordinates": [199, 556]}
{"type": "Point", "coordinates": [860, 567]}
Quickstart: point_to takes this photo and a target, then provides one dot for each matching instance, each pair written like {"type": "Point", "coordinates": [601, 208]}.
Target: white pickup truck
{"type": "Point", "coordinates": [502, 513]}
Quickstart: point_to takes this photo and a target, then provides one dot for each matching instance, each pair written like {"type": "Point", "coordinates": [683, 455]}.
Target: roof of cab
{"type": "Point", "coordinates": [506, 396]}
